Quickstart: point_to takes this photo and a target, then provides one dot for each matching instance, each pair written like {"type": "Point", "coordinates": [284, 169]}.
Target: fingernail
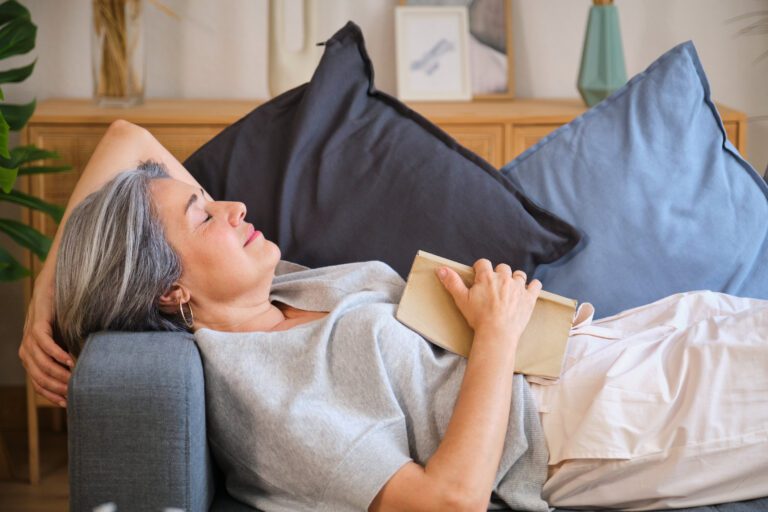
{"type": "Point", "coordinates": [70, 363]}
{"type": "Point", "coordinates": [441, 272]}
{"type": "Point", "coordinates": [62, 403]}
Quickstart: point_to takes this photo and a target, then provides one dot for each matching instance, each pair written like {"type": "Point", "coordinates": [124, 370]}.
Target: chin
{"type": "Point", "coordinates": [276, 251]}
{"type": "Point", "coordinates": [271, 256]}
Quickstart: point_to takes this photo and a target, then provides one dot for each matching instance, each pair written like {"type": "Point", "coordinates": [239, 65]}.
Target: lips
{"type": "Point", "coordinates": [253, 234]}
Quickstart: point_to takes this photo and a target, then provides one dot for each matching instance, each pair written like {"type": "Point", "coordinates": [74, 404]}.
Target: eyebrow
{"type": "Point", "coordinates": [192, 199]}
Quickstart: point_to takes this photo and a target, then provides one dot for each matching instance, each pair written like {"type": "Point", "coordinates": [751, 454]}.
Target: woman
{"type": "Point", "coordinates": [185, 235]}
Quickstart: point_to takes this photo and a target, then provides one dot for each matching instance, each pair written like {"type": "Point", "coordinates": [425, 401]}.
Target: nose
{"type": "Point", "coordinates": [235, 212]}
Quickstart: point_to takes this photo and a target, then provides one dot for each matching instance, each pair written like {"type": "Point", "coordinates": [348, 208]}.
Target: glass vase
{"type": "Point", "coordinates": [117, 53]}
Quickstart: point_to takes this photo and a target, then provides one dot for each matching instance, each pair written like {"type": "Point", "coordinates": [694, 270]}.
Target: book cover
{"type": "Point", "coordinates": [428, 308]}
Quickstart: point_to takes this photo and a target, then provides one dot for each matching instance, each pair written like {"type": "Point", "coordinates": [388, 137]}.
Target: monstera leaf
{"type": "Point", "coordinates": [17, 37]}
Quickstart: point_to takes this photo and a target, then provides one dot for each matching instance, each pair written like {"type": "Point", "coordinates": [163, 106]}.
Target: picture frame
{"type": "Point", "coordinates": [491, 45]}
{"type": "Point", "coordinates": [432, 53]}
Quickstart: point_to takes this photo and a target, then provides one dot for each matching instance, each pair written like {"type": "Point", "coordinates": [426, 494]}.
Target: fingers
{"type": "Point", "coordinates": [54, 350]}
{"type": "Point", "coordinates": [38, 351]}
{"type": "Point", "coordinates": [39, 333]}
{"type": "Point", "coordinates": [482, 266]}
{"type": "Point", "coordinates": [50, 369]}
{"type": "Point", "coordinates": [60, 400]}
{"type": "Point", "coordinates": [452, 282]}
{"type": "Point", "coordinates": [51, 389]}
{"type": "Point", "coordinates": [44, 371]}
{"type": "Point", "coordinates": [48, 375]}
{"type": "Point", "coordinates": [535, 286]}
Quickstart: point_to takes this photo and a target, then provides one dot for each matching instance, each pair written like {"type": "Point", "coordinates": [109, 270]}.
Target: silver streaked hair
{"type": "Point", "coordinates": [114, 262]}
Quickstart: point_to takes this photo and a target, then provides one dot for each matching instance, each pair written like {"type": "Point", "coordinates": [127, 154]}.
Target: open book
{"type": "Point", "coordinates": [428, 308]}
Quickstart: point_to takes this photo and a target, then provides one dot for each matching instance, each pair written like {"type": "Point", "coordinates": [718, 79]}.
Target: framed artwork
{"type": "Point", "coordinates": [491, 49]}
{"type": "Point", "coordinates": [432, 53]}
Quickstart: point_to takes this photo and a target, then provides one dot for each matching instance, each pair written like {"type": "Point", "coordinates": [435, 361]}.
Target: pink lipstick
{"type": "Point", "coordinates": [255, 233]}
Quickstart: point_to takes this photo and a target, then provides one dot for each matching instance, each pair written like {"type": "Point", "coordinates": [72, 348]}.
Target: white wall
{"type": "Point", "coordinates": [218, 50]}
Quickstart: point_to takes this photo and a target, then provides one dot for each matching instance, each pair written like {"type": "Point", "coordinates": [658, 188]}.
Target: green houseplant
{"type": "Point", "coordinates": [17, 37]}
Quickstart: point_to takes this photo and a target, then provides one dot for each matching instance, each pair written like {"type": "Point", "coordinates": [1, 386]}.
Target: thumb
{"type": "Point", "coordinates": [452, 282]}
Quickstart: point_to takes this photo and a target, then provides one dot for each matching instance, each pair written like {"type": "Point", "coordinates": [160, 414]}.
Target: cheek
{"type": "Point", "coordinates": [213, 257]}
{"type": "Point", "coordinates": [196, 255]}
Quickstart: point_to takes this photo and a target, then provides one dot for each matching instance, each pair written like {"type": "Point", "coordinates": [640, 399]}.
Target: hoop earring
{"type": "Point", "coordinates": [191, 322]}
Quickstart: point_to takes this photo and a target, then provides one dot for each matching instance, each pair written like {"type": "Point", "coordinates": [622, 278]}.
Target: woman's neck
{"type": "Point", "coordinates": [263, 316]}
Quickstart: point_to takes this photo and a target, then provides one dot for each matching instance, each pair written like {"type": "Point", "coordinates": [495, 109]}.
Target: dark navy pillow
{"type": "Point", "coordinates": [664, 200]}
{"type": "Point", "coordinates": [335, 171]}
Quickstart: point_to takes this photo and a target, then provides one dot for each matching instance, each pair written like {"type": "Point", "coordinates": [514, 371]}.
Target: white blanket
{"type": "Point", "coordinates": [664, 405]}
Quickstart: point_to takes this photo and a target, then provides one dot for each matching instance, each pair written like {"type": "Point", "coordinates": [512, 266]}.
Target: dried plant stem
{"type": "Point", "coordinates": [115, 24]}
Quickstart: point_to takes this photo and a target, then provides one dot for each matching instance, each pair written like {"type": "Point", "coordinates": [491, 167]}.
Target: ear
{"type": "Point", "coordinates": [177, 294]}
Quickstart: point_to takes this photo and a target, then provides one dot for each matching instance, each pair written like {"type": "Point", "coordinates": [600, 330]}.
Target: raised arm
{"type": "Point", "coordinates": [460, 474]}
{"type": "Point", "coordinates": [123, 147]}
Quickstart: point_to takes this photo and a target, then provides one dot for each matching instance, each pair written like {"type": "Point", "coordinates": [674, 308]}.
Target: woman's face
{"type": "Point", "coordinates": [224, 259]}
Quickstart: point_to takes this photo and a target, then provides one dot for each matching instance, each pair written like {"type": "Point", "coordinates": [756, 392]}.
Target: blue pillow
{"type": "Point", "coordinates": [665, 202]}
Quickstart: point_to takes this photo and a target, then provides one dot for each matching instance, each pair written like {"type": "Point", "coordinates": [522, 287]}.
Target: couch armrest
{"type": "Point", "coordinates": [136, 420]}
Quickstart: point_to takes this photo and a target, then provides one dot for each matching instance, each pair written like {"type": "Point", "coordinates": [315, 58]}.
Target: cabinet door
{"type": "Point", "coordinates": [74, 144]}
{"type": "Point", "coordinates": [525, 136]}
{"type": "Point", "coordinates": [182, 141]}
{"type": "Point", "coordinates": [486, 140]}
{"type": "Point", "coordinates": [732, 131]}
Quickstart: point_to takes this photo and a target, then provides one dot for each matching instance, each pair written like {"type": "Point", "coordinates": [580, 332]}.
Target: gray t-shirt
{"type": "Point", "coordinates": [320, 416]}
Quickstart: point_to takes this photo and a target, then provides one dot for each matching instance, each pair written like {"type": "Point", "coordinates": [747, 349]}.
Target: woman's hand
{"type": "Point", "coordinates": [460, 474]}
{"type": "Point", "coordinates": [498, 300]}
{"type": "Point", "coordinates": [38, 352]}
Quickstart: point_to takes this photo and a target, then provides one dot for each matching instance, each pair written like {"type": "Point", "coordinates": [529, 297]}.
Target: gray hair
{"type": "Point", "coordinates": [114, 262]}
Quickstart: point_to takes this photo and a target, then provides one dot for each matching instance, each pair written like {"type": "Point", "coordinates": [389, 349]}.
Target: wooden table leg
{"type": "Point", "coordinates": [58, 419]}
{"type": "Point", "coordinates": [5, 460]}
{"type": "Point", "coordinates": [33, 432]}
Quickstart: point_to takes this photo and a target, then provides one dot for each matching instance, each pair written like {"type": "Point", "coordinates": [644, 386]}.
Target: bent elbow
{"type": "Point", "coordinates": [123, 128]}
{"type": "Point", "coordinates": [463, 500]}
{"type": "Point", "coordinates": [119, 125]}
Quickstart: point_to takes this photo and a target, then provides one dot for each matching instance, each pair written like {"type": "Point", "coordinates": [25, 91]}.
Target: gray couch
{"type": "Point", "coordinates": [136, 419]}
{"type": "Point", "coordinates": [137, 429]}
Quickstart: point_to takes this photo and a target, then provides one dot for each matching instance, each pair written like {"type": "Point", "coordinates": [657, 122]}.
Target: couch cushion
{"type": "Point", "coordinates": [335, 171]}
{"type": "Point", "coordinates": [665, 202]}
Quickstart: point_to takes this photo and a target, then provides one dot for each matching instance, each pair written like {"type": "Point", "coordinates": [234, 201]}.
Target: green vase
{"type": "Point", "coordinates": [602, 68]}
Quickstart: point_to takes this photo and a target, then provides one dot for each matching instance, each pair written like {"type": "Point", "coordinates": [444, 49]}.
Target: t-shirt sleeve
{"type": "Point", "coordinates": [368, 465]}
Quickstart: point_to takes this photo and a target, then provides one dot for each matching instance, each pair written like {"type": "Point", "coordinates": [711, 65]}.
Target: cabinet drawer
{"type": "Point", "coordinates": [524, 137]}
{"type": "Point", "coordinates": [486, 140]}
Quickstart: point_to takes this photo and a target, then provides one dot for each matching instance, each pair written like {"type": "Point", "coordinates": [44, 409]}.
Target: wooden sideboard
{"type": "Point", "coordinates": [497, 131]}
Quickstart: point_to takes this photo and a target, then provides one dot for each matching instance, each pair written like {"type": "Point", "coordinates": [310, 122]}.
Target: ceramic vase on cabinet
{"type": "Point", "coordinates": [289, 68]}
{"type": "Point", "coordinates": [602, 69]}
